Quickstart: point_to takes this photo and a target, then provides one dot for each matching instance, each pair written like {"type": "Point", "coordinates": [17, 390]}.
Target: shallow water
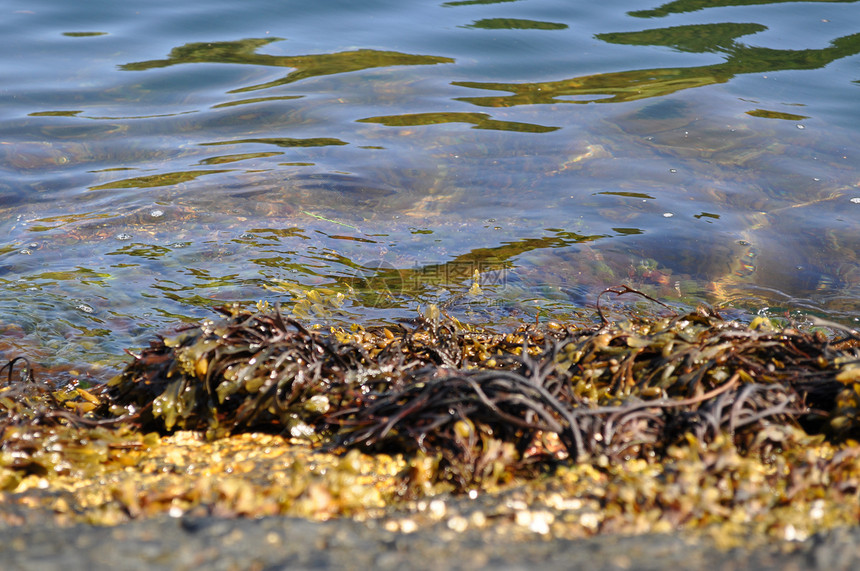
{"type": "Point", "coordinates": [356, 161]}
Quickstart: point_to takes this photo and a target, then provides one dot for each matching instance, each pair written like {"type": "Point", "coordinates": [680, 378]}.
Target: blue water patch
{"type": "Point", "coordinates": [358, 161]}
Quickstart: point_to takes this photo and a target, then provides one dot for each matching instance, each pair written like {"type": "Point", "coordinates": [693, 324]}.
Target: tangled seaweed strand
{"type": "Point", "coordinates": [37, 419]}
{"type": "Point", "coordinates": [23, 399]}
{"type": "Point", "coordinates": [482, 401]}
{"type": "Point", "coordinates": [27, 403]}
{"type": "Point", "coordinates": [248, 371]}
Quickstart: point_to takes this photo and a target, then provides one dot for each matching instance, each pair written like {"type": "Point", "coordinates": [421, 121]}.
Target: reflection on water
{"type": "Point", "coordinates": [695, 38]}
{"type": "Point", "coordinates": [479, 120]}
{"type": "Point", "coordinates": [640, 84]}
{"type": "Point", "coordinates": [681, 6]}
{"type": "Point", "coordinates": [362, 181]}
{"type": "Point", "coordinates": [515, 24]}
{"type": "Point", "coordinates": [305, 66]}
{"type": "Point", "coordinates": [284, 142]}
{"type": "Point", "coordinates": [471, 2]}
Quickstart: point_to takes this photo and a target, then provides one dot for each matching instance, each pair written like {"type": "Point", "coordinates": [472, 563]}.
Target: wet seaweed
{"type": "Point", "coordinates": [495, 404]}
{"type": "Point", "coordinates": [488, 406]}
{"type": "Point", "coordinates": [250, 370]}
{"type": "Point", "coordinates": [24, 399]}
{"type": "Point", "coordinates": [629, 425]}
{"type": "Point", "coordinates": [47, 430]}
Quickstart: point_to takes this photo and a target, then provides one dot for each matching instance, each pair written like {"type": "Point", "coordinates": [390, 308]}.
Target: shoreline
{"type": "Point", "coordinates": [282, 542]}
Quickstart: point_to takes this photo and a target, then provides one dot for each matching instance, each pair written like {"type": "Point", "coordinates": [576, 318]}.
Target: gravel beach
{"type": "Point", "coordinates": [280, 543]}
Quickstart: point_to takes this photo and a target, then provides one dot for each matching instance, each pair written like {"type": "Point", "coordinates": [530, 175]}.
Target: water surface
{"type": "Point", "coordinates": [356, 161]}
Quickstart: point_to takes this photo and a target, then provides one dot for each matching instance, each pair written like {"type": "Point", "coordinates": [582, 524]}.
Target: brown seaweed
{"type": "Point", "coordinates": [644, 424]}
{"type": "Point", "coordinates": [533, 396]}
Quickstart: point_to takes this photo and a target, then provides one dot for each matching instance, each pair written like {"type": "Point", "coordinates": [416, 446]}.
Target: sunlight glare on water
{"type": "Point", "coordinates": [356, 161]}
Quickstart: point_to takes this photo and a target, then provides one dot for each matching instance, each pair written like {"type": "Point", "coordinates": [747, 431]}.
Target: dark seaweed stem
{"type": "Point", "coordinates": [524, 406]}
{"type": "Point", "coordinates": [27, 400]}
{"type": "Point", "coordinates": [32, 402]}
{"type": "Point", "coordinates": [622, 415]}
{"type": "Point", "coordinates": [82, 421]}
{"type": "Point", "coordinates": [618, 291]}
{"type": "Point", "coordinates": [502, 399]}
{"type": "Point", "coordinates": [26, 375]}
{"type": "Point", "coordinates": [850, 335]}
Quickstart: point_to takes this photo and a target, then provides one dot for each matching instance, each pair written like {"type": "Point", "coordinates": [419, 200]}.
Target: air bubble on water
{"type": "Point", "coordinates": [855, 200]}
{"type": "Point", "coordinates": [668, 215]}
{"type": "Point", "coordinates": [801, 127]}
{"type": "Point", "coordinates": [84, 307]}
{"type": "Point", "coordinates": [156, 213]}
{"type": "Point", "coordinates": [673, 170]}
{"type": "Point", "coordinates": [123, 237]}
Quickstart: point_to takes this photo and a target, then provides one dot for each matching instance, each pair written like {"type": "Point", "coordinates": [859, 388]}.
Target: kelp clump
{"type": "Point", "coordinates": [492, 404]}
{"type": "Point", "coordinates": [741, 431]}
